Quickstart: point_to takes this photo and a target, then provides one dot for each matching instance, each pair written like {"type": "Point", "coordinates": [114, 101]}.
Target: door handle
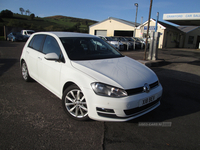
{"type": "Point", "coordinates": [39, 58]}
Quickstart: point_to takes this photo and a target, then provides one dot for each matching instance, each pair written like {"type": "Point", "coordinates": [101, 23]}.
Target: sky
{"type": "Point", "coordinates": [100, 10]}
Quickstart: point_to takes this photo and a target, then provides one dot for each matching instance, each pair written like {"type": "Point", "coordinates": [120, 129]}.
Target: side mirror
{"type": "Point", "coordinates": [51, 56]}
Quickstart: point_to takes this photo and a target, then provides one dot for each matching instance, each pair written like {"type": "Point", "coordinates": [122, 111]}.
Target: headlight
{"type": "Point", "coordinates": [107, 90]}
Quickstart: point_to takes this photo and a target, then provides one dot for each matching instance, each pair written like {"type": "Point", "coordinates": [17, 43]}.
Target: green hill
{"type": "Point", "coordinates": [52, 23]}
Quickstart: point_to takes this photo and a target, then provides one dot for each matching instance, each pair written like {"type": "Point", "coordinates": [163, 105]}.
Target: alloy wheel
{"type": "Point", "coordinates": [24, 71]}
{"type": "Point", "coordinates": [75, 104]}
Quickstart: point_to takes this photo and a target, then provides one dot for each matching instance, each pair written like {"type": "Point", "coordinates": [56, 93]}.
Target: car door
{"type": "Point", "coordinates": [49, 70]}
{"type": "Point", "coordinates": [32, 52]}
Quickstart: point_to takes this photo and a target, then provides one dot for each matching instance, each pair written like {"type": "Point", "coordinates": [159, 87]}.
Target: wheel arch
{"type": "Point", "coordinates": [21, 61]}
{"type": "Point", "coordinates": [66, 85]}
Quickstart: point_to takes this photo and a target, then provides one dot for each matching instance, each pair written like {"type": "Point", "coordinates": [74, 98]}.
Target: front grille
{"type": "Point", "coordinates": [131, 112]}
{"type": "Point", "coordinates": [153, 85]}
{"type": "Point", "coordinates": [140, 89]}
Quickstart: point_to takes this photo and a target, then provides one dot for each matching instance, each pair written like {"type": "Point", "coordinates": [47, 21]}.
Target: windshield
{"type": "Point", "coordinates": [82, 48]}
{"type": "Point", "coordinates": [110, 39]}
{"type": "Point", "coordinates": [129, 39]}
{"type": "Point", "coordinates": [122, 39]}
{"type": "Point", "coordinates": [30, 32]}
{"type": "Point", "coordinates": [118, 39]}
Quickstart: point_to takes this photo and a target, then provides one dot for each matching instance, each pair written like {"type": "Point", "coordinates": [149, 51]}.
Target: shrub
{"type": "Point", "coordinates": [6, 14]}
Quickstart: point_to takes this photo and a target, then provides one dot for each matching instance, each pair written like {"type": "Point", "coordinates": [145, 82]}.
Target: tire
{"type": "Point", "coordinates": [25, 74]}
{"type": "Point", "coordinates": [74, 103]}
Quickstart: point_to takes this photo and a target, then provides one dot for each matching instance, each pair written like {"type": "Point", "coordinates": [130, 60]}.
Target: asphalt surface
{"type": "Point", "coordinates": [31, 117]}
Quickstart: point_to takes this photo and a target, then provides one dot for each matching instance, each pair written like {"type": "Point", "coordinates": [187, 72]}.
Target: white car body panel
{"type": "Point", "coordinates": [49, 73]}
{"type": "Point", "coordinates": [126, 72]}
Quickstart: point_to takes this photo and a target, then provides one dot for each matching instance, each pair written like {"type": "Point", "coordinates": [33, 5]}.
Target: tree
{"type": "Point", "coordinates": [77, 26]}
{"type": "Point", "coordinates": [32, 16]}
{"type": "Point", "coordinates": [6, 13]}
{"type": "Point", "coordinates": [21, 10]}
{"type": "Point", "coordinates": [28, 12]}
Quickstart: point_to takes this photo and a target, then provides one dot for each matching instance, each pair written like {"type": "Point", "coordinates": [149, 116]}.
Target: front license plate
{"type": "Point", "coordinates": [147, 100]}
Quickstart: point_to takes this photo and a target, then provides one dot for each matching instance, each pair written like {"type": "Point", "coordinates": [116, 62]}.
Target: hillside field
{"type": "Point", "coordinates": [52, 23]}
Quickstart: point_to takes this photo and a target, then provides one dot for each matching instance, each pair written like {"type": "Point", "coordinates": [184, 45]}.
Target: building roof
{"type": "Point", "coordinates": [168, 26]}
{"type": "Point", "coordinates": [119, 20]}
{"type": "Point", "coordinates": [187, 29]}
{"type": "Point", "coordinates": [163, 25]}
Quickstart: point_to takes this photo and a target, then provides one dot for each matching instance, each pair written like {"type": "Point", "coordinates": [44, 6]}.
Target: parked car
{"type": "Point", "coordinates": [127, 45]}
{"type": "Point", "coordinates": [27, 33]}
{"type": "Point", "coordinates": [118, 45]}
{"type": "Point", "coordinates": [142, 41]}
{"type": "Point", "coordinates": [91, 77]}
{"type": "Point", "coordinates": [134, 42]}
{"type": "Point", "coordinates": [15, 36]}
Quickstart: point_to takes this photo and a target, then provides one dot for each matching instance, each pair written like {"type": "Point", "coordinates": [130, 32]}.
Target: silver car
{"type": "Point", "coordinates": [127, 45]}
{"type": "Point", "coordinates": [118, 45]}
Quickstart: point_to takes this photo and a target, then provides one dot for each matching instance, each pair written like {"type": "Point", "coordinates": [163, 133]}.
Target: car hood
{"type": "Point", "coordinates": [122, 72]}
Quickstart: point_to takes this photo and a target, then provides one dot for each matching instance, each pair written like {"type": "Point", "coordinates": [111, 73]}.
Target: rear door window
{"type": "Point", "coordinates": [36, 42]}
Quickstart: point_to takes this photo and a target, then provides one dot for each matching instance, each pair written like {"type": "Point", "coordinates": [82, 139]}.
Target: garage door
{"type": "Point", "coordinates": [101, 32]}
{"type": "Point", "coordinates": [123, 33]}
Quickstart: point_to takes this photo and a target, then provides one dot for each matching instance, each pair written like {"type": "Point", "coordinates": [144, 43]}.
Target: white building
{"type": "Point", "coordinates": [113, 27]}
{"type": "Point", "coordinates": [170, 36]}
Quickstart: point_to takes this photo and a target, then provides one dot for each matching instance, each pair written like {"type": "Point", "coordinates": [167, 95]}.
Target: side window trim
{"type": "Point", "coordinates": [31, 42]}
{"type": "Point", "coordinates": [42, 44]}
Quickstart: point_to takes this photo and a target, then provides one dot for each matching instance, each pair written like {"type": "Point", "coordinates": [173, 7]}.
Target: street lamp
{"type": "Point", "coordinates": [136, 5]}
{"type": "Point", "coordinates": [148, 30]}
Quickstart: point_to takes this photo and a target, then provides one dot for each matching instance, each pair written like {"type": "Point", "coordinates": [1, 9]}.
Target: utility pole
{"type": "Point", "coordinates": [148, 30]}
{"type": "Point", "coordinates": [156, 26]}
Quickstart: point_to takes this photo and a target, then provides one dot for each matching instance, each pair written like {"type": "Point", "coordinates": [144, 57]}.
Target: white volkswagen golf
{"type": "Point", "coordinates": [92, 78]}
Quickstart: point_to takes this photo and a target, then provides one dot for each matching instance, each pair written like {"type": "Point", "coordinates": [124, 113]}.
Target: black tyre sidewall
{"type": "Point", "coordinates": [28, 76]}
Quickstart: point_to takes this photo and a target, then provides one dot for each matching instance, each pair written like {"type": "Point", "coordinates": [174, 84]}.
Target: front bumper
{"type": "Point", "coordinates": [121, 109]}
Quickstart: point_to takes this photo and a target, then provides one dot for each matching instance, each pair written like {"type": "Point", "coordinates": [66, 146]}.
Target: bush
{"type": "Point", "coordinates": [32, 16]}
{"type": "Point", "coordinates": [6, 14]}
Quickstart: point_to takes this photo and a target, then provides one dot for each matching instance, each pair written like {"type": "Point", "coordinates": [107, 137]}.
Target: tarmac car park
{"type": "Point", "coordinates": [33, 118]}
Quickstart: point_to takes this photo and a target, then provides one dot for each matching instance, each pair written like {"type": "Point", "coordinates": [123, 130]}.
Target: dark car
{"type": "Point", "coordinates": [142, 41]}
{"type": "Point", "coordinates": [15, 36]}
{"type": "Point", "coordinates": [134, 41]}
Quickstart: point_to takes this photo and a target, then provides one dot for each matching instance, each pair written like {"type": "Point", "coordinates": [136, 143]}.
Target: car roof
{"type": "Point", "coordinates": [66, 34]}
{"type": "Point", "coordinates": [27, 30]}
